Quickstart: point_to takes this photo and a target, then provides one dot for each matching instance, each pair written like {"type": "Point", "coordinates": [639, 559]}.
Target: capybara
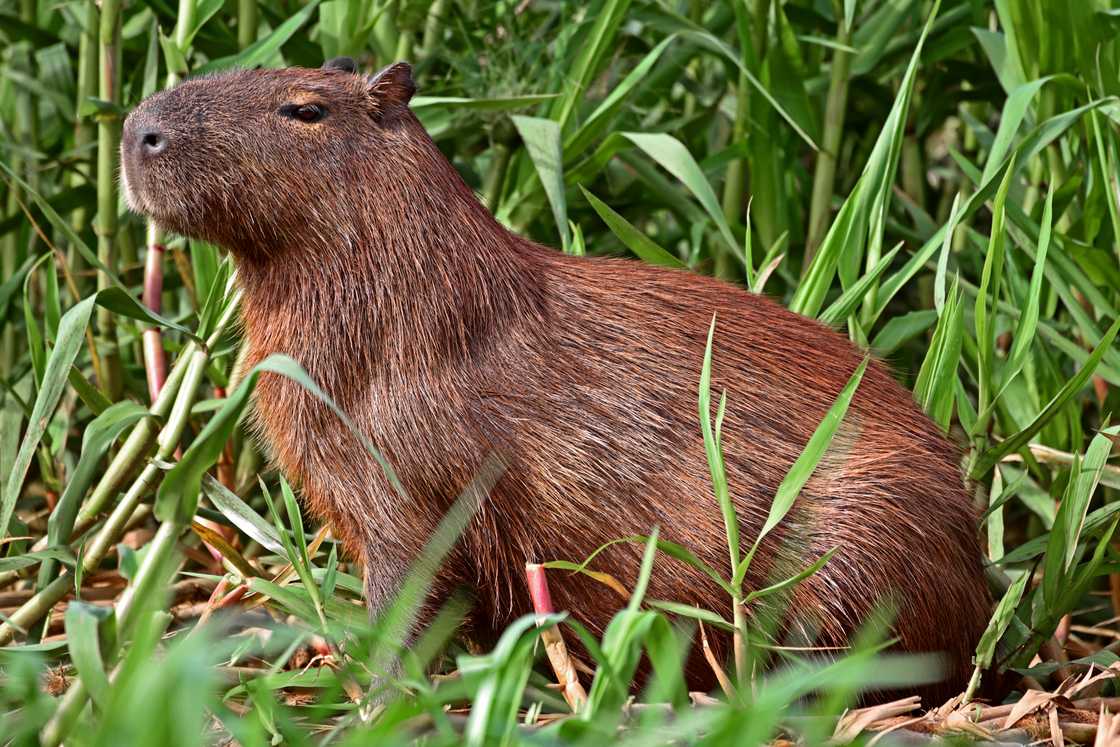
{"type": "Point", "coordinates": [447, 338]}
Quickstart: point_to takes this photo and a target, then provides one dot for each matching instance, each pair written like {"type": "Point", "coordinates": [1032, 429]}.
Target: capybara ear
{"type": "Point", "coordinates": [393, 85]}
{"type": "Point", "coordinates": [342, 64]}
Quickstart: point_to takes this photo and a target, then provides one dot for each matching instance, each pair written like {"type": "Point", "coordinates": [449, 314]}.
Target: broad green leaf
{"type": "Point", "coordinates": [151, 61]}
{"type": "Point", "coordinates": [596, 45]}
{"type": "Point", "coordinates": [691, 612]}
{"type": "Point", "coordinates": [261, 51]}
{"type": "Point", "coordinates": [644, 573]}
{"type": "Point", "coordinates": [598, 120]}
{"type": "Point", "coordinates": [497, 104]}
{"type": "Point", "coordinates": [792, 581]}
{"type": "Point", "coordinates": [242, 515]}
{"type": "Point", "coordinates": [671, 154]}
{"type": "Point", "coordinates": [173, 56]}
{"type": "Point", "coordinates": [303, 567]}
{"type": "Point", "coordinates": [817, 280]}
{"type": "Point", "coordinates": [542, 140]}
{"type": "Point", "coordinates": [1014, 111]}
{"type": "Point", "coordinates": [1028, 322]}
{"type": "Point", "coordinates": [1001, 619]}
{"type": "Point", "coordinates": [83, 623]}
{"type": "Point", "coordinates": [16, 562]}
{"type": "Point", "coordinates": [205, 10]}
{"type": "Point", "coordinates": [991, 283]}
{"type": "Point", "coordinates": [843, 306]}
{"type": "Point", "coordinates": [943, 257]}
{"type": "Point", "coordinates": [901, 329]}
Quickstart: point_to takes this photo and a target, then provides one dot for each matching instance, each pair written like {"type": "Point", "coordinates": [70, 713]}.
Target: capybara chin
{"type": "Point", "coordinates": [364, 256]}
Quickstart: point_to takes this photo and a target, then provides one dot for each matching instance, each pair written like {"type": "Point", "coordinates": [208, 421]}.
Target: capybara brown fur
{"type": "Point", "coordinates": [447, 338]}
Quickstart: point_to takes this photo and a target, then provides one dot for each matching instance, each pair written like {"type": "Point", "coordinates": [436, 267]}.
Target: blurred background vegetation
{"type": "Point", "coordinates": [939, 180]}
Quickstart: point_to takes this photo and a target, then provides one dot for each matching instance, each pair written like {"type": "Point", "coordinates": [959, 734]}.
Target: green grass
{"type": "Point", "coordinates": [941, 181]}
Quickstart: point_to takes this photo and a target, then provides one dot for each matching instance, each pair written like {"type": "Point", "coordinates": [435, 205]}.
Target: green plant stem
{"type": "Point", "coordinates": [495, 175]}
{"type": "Point", "coordinates": [148, 576]}
{"type": "Point", "coordinates": [404, 45]}
{"type": "Point", "coordinates": [824, 174]}
{"type": "Point", "coordinates": [96, 550]}
{"type": "Point", "coordinates": [169, 437]}
{"type": "Point", "coordinates": [8, 258]}
{"type": "Point", "coordinates": [18, 59]}
{"type": "Point", "coordinates": [433, 27]}
{"type": "Point", "coordinates": [739, 643]}
{"type": "Point", "coordinates": [734, 184]}
{"type": "Point", "coordinates": [385, 33]}
{"type": "Point", "coordinates": [760, 15]}
{"type": "Point", "coordinates": [108, 142]}
{"type": "Point", "coordinates": [85, 133]}
{"type": "Point", "coordinates": [247, 22]}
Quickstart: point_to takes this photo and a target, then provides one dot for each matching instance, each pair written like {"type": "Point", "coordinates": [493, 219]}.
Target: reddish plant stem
{"type": "Point", "coordinates": [558, 657]}
{"type": "Point", "coordinates": [233, 597]}
{"type": "Point", "coordinates": [211, 603]}
{"type": "Point", "coordinates": [155, 361]}
{"type": "Point", "coordinates": [538, 589]}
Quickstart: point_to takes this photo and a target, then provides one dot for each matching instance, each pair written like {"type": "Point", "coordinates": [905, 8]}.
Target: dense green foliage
{"type": "Point", "coordinates": [938, 179]}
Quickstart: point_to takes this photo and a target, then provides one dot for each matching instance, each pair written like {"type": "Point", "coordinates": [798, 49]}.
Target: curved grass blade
{"type": "Point", "coordinates": [804, 466]}
{"type": "Point", "coordinates": [642, 245]}
{"type": "Point", "coordinates": [71, 336]}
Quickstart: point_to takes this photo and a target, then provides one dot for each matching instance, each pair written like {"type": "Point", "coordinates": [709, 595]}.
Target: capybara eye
{"type": "Point", "coordinates": [306, 113]}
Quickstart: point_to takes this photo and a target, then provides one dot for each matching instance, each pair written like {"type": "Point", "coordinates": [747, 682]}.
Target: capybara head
{"type": "Point", "coordinates": [255, 160]}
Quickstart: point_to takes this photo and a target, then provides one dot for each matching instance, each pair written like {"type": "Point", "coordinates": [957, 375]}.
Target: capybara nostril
{"type": "Point", "coordinates": [153, 142]}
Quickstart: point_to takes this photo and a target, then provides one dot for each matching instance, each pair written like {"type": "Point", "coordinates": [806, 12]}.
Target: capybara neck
{"type": "Point", "coordinates": [409, 271]}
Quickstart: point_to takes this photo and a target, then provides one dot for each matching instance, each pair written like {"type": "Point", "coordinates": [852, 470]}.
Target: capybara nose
{"type": "Point", "coordinates": [152, 142]}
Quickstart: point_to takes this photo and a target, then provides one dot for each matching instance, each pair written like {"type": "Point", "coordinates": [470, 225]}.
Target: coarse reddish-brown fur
{"type": "Point", "coordinates": [364, 256]}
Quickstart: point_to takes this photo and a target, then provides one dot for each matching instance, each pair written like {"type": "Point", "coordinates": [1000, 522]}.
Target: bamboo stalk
{"type": "Point", "coordinates": [99, 547]}
{"type": "Point", "coordinates": [18, 59]}
{"type": "Point", "coordinates": [195, 358]}
{"type": "Point", "coordinates": [247, 22]}
{"type": "Point", "coordinates": [433, 26]}
{"type": "Point", "coordinates": [148, 577]}
{"type": "Point", "coordinates": [108, 142]}
{"type": "Point", "coordinates": [734, 184]}
{"type": "Point", "coordinates": [85, 134]}
{"type": "Point", "coordinates": [824, 174]}
{"type": "Point", "coordinates": [135, 448]}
